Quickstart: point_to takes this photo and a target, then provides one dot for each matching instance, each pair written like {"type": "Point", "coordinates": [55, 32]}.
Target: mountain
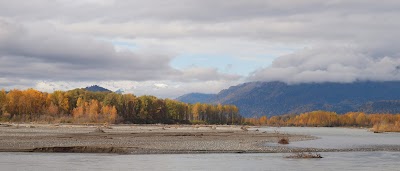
{"type": "Point", "coordinates": [277, 98]}
{"type": "Point", "coordinates": [196, 98]}
{"type": "Point", "coordinates": [119, 91]}
{"type": "Point", "coordinates": [96, 88]}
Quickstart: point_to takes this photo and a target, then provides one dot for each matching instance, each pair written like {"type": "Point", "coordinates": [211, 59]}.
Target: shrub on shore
{"type": "Point", "coordinates": [386, 127]}
{"type": "Point", "coordinates": [283, 141]}
{"type": "Point", "coordinates": [98, 130]}
{"type": "Point", "coordinates": [198, 122]}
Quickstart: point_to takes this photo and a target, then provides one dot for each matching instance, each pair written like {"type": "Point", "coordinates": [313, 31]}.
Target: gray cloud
{"type": "Point", "coordinates": [287, 21]}
{"type": "Point", "coordinates": [206, 10]}
{"type": "Point", "coordinates": [206, 74]}
{"type": "Point", "coordinates": [70, 40]}
{"type": "Point", "coordinates": [44, 51]}
{"type": "Point", "coordinates": [39, 52]}
{"type": "Point", "coordinates": [330, 64]}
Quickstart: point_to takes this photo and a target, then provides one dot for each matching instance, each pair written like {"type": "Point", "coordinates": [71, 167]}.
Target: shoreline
{"type": "Point", "coordinates": [151, 139]}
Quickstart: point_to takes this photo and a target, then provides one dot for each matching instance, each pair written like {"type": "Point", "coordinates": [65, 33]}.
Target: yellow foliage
{"type": "Point", "coordinates": [329, 119]}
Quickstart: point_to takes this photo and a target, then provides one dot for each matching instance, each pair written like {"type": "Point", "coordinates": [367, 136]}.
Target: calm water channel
{"type": "Point", "coordinates": [338, 138]}
{"type": "Point", "coordinates": [329, 138]}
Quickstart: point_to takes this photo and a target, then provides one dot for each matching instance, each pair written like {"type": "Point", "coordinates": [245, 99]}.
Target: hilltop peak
{"type": "Point", "coordinates": [96, 88]}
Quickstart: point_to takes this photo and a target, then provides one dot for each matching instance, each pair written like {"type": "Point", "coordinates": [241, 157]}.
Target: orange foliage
{"type": "Point", "coordinates": [329, 119]}
{"type": "Point", "coordinates": [94, 112]}
{"type": "Point", "coordinates": [82, 106]}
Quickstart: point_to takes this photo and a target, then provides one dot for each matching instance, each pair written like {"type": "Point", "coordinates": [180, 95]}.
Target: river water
{"type": "Point", "coordinates": [338, 138]}
{"type": "Point", "coordinates": [329, 138]}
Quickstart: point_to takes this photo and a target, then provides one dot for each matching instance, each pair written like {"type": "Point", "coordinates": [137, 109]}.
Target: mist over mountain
{"type": "Point", "coordinates": [196, 98]}
{"type": "Point", "coordinates": [277, 98]}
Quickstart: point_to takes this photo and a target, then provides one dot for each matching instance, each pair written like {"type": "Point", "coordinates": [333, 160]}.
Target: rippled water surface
{"type": "Point", "coordinates": [332, 161]}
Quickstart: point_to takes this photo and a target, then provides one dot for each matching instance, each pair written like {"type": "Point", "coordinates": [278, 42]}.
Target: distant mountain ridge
{"type": "Point", "coordinates": [96, 88]}
{"type": "Point", "coordinates": [120, 91]}
{"type": "Point", "coordinates": [277, 98]}
{"type": "Point", "coordinates": [196, 98]}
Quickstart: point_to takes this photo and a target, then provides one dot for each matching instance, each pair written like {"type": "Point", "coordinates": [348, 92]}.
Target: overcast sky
{"type": "Point", "coordinates": [171, 47]}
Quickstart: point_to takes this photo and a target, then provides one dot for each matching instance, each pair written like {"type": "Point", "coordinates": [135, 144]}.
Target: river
{"type": "Point", "coordinates": [338, 138]}
{"type": "Point", "coordinates": [328, 138]}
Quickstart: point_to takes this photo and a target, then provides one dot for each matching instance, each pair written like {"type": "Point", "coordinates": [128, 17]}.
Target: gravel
{"type": "Point", "coordinates": [149, 139]}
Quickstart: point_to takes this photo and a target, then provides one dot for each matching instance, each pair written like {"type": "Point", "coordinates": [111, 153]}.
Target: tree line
{"type": "Point", "coordinates": [82, 106]}
{"type": "Point", "coordinates": [328, 119]}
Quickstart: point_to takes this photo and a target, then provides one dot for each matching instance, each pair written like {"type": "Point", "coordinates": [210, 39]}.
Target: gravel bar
{"type": "Point", "coordinates": [149, 139]}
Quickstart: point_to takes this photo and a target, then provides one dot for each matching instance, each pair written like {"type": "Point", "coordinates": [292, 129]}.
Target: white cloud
{"type": "Point", "coordinates": [330, 64]}
{"type": "Point", "coordinates": [205, 74]}
{"type": "Point", "coordinates": [160, 85]}
{"type": "Point", "coordinates": [69, 43]}
{"type": "Point", "coordinates": [168, 89]}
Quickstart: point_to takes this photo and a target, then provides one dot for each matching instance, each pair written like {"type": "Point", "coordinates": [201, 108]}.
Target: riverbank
{"type": "Point", "coordinates": [152, 139]}
{"type": "Point", "coordinates": [138, 139]}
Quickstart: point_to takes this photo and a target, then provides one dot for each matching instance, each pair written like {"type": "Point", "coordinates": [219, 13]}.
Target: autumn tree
{"type": "Point", "coordinates": [3, 102]}
{"type": "Point", "coordinates": [263, 120]}
{"type": "Point", "coordinates": [172, 108]}
{"type": "Point", "coordinates": [221, 116]}
{"type": "Point", "coordinates": [80, 105]}
{"type": "Point", "coordinates": [80, 108]}
{"type": "Point", "coordinates": [94, 109]}
{"type": "Point", "coordinates": [59, 99]}
{"type": "Point", "coordinates": [362, 120]}
{"type": "Point", "coordinates": [196, 110]}
{"type": "Point", "coordinates": [147, 106]}
{"type": "Point", "coordinates": [128, 107]}
{"type": "Point", "coordinates": [108, 114]}
{"type": "Point", "coordinates": [33, 103]}
{"type": "Point", "coordinates": [14, 103]}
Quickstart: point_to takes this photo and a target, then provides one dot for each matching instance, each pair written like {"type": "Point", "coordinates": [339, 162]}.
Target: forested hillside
{"type": "Point", "coordinates": [196, 98]}
{"type": "Point", "coordinates": [278, 98]}
{"type": "Point", "coordinates": [96, 88]}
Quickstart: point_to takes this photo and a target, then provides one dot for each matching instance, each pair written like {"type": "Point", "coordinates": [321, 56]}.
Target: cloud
{"type": "Point", "coordinates": [160, 85]}
{"type": "Point", "coordinates": [42, 52]}
{"type": "Point", "coordinates": [39, 55]}
{"type": "Point", "coordinates": [46, 53]}
{"type": "Point", "coordinates": [303, 21]}
{"type": "Point", "coordinates": [330, 64]}
{"type": "Point", "coordinates": [72, 41]}
{"type": "Point", "coordinates": [166, 89]}
{"type": "Point", "coordinates": [205, 74]}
